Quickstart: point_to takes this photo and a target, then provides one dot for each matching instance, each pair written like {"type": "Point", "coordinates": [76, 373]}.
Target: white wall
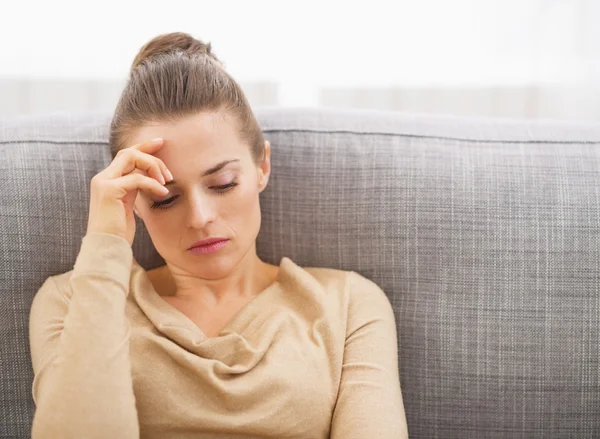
{"type": "Point", "coordinates": [522, 58]}
{"type": "Point", "coordinates": [39, 95]}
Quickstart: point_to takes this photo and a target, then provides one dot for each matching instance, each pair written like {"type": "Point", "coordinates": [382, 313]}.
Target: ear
{"type": "Point", "coordinates": [264, 169]}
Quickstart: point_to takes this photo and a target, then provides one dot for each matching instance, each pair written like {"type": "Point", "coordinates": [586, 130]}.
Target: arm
{"type": "Point", "coordinates": [369, 403]}
{"type": "Point", "coordinates": [79, 340]}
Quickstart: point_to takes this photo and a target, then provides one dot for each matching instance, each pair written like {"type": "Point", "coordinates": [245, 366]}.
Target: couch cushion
{"type": "Point", "coordinates": [483, 233]}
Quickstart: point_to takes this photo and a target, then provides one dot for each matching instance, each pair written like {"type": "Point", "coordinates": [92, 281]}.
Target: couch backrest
{"type": "Point", "coordinates": [483, 233]}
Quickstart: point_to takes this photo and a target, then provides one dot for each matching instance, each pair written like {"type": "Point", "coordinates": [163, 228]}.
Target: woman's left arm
{"type": "Point", "coordinates": [369, 403]}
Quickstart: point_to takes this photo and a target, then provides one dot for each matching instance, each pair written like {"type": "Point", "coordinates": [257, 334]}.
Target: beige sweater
{"type": "Point", "coordinates": [314, 355]}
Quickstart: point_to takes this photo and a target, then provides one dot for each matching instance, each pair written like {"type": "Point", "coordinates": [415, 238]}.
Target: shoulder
{"type": "Point", "coordinates": [358, 301]}
{"type": "Point", "coordinates": [369, 308]}
{"type": "Point", "coordinates": [57, 282]}
{"type": "Point", "coordinates": [323, 278]}
{"type": "Point", "coordinates": [47, 312]}
{"type": "Point", "coordinates": [361, 285]}
{"type": "Point", "coordinates": [54, 290]}
{"type": "Point", "coordinates": [366, 296]}
{"type": "Point", "coordinates": [350, 286]}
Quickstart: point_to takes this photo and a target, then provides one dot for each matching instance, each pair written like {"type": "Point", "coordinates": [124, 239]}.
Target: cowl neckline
{"type": "Point", "coordinates": [178, 327]}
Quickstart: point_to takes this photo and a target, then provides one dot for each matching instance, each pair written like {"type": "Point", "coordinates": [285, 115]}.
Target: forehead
{"type": "Point", "coordinates": [205, 136]}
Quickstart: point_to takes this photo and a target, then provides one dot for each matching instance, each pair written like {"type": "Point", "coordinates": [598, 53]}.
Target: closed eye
{"type": "Point", "coordinates": [225, 187]}
{"type": "Point", "coordinates": [163, 204]}
{"type": "Point", "coordinates": [221, 190]}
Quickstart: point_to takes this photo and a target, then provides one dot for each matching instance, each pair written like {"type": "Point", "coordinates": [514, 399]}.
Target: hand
{"type": "Point", "coordinates": [113, 190]}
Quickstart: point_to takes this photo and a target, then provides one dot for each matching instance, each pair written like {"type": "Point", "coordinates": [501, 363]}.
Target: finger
{"type": "Point", "coordinates": [131, 159]}
{"type": "Point", "coordinates": [151, 147]}
{"type": "Point", "coordinates": [131, 182]}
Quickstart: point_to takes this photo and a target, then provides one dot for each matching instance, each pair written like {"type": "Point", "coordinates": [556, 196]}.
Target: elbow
{"type": "Point", "coordinates": [44, 425]}
{"type": "Point", "coordinates": [56, 422]}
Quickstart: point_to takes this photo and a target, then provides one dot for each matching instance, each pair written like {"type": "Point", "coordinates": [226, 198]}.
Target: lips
{"type": "Point", "coordinates": [207, 242]}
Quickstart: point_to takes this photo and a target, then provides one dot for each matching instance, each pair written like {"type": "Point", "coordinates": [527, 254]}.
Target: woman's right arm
{"type": "Point", "coordinates": [79, 334]}
{"type": "Point", "coordinates": [79, 341]}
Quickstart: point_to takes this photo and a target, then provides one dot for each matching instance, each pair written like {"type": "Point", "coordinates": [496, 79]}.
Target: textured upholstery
{"type": "Point", "coordinates": [483, 233]}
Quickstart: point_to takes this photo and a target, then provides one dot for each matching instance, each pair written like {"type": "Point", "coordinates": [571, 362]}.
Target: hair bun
{"type": "Point", "coordinates": [172, 43]}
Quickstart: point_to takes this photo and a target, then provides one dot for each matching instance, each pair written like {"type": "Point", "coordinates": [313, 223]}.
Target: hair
{"type": "Point", "coordinates": [175, 75]}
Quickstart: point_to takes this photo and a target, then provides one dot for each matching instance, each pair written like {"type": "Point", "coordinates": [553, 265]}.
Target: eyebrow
{"type": "Point", "coordinates": [210, 171]}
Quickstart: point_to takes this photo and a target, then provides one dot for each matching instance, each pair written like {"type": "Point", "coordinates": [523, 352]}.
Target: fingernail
{"type": "Point", "coordinates": [158, 139]}
{"type": "Point", "coordinates": [170, 175]}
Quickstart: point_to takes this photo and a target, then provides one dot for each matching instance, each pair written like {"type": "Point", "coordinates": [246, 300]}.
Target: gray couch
{"type": "Point", "coordinates": [484, 234]}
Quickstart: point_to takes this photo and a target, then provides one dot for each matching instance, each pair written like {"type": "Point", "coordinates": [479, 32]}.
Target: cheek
{"type": "Point", "coordinates": [158, 224]}
{"type": "Point", "coordinates": [240, 203]}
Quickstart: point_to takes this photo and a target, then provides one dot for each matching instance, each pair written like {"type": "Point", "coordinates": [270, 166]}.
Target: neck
{"type": "Point", "coordinates": [244, 281]}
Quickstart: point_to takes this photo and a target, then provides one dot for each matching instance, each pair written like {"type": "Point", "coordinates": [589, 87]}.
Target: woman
{"type": "Point", "coordinates": [216, 343]}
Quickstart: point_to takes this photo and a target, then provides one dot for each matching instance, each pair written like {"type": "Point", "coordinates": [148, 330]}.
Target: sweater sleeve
{"type": "Point", "coordinates": [79, 340]}
{"type": "Point", "coordinates": [369, 402]}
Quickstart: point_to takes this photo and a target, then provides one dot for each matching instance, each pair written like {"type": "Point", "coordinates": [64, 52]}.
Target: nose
{"type": "Point", "coordinates": [201, 211]}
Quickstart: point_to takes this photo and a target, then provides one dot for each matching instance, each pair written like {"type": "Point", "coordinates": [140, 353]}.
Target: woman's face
{"type": "Point", "coordinates": [221, 204]}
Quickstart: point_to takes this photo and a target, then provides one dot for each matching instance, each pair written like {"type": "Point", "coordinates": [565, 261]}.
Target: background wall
{"type": "Point", "coordinates": [511, 58]}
